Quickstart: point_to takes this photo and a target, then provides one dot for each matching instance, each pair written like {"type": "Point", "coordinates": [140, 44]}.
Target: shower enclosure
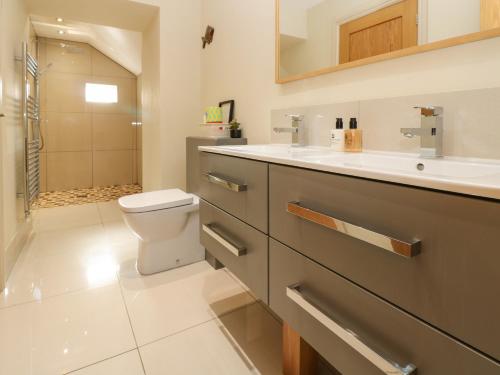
{"type": "Point", "coordinates": [89, 127]}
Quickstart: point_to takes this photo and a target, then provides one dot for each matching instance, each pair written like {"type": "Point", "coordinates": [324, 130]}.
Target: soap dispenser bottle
{"type": "Point", "coordinates": [353, 137]}
{"type": "Point", "coordinates": [338, 136]}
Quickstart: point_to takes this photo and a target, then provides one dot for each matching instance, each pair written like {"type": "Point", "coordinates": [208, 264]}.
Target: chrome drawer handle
{"type": "Point", "coordinates": [403, 248]}
{"type": "Point", "coordinates": [349, 337]}
{"type": "Point", "coordinates": [229, 185]}
{"type": "Point", "coordinates": [236, 249]}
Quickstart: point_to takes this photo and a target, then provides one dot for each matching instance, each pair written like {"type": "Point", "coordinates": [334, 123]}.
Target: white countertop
{"type": "Point", "coordinates": [478, 177]}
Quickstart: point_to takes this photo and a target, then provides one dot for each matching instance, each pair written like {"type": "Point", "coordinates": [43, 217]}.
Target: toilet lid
{"type": "Point", "coordinates": [155, 200]}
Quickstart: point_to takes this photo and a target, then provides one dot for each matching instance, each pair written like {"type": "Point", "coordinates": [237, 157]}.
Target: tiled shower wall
{"type": "Point", "coordinates": [471, 122]}
{"type": "Point", "coordinates": [85, 144]}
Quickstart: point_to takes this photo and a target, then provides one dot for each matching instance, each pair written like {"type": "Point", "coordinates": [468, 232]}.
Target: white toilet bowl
{"type": "Point", "coordinates": [166, 223]}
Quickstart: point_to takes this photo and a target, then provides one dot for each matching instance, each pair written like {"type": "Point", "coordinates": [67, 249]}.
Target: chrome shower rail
{"type": "Point", "coordinates": [31, 116]}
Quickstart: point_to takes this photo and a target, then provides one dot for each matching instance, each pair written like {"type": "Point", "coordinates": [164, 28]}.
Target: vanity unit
{"type": "Point", "coordinates": [377, 275]}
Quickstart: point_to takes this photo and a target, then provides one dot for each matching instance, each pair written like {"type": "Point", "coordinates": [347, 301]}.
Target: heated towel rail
{"type": "Point", "coordinates": [31, 126]}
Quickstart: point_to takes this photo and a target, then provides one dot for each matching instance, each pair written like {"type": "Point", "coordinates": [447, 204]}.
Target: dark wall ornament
{"type": "Point", "coordinates": [209, 36]}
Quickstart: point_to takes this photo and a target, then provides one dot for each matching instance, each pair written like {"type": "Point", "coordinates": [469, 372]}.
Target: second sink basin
{"type": "Point", "coordinates": [410, 164]}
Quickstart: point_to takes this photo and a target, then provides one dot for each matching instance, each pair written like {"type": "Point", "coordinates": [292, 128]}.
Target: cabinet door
{"type": "Point", "coordinates": [356, 331]}
{"type": "Point", "coordinates": [452, 283]}
{"type": "Point", "coordinates": [490, 14]}
{"type": "Point", "coordinates": [237, 186]}
{"type": "Point", "coordinates": [241, 248]}
{"type": "Point", "coordinates": [386, 30]}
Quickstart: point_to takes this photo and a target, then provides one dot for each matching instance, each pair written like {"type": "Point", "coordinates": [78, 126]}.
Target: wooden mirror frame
{"type": "Point", "coordinates": [445, 43]}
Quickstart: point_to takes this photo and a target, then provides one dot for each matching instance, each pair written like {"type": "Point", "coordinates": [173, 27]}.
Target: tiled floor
{"type": "Point", "coordinates": [75, 304]}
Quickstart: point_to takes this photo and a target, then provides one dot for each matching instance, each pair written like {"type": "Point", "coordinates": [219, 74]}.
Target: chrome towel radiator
{"type": "Point", "coordinates": [31, 127]}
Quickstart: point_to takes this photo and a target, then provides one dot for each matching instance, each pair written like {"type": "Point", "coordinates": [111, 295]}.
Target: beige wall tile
{"type": "Point", "coordinates": [43, 131]}
{"type": "Point", "coordinates": [104, 66]}
{"type": "Point", "coordinates": [66, 92]}
{"type": "Point", "coordinates": [72, 58]}
{"type": "Point", "coordinates": [68, 132]}
{"type": "Point", "coordinates": [139, 137]}
{"type": "Point", "coordinates": [69, 170]}
{"type": "Point", "coordinates": [72, 128]}
{"type": "Point", "coordinates": [127, 96]}
{"type": "Point", "coordinates": [134, 167]}
{"type": "Point", "coordinates": [43, 92]}
{"type": "Point", "coordinates": [113, 132]}
{"type": "Point", "coordinates": [470, 122]}
{"type": "Point", "coordinates": [43, 172]}
{"type": "Point", "coordinates": [42, 53]}
{"type": "Point", "coordinates": [139, 167]}
{"type": "Point", "coordinates": [113, 167]}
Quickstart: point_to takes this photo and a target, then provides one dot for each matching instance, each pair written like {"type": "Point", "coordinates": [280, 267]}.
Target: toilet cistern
{"type": "Point", "coordinates": [430, 131]}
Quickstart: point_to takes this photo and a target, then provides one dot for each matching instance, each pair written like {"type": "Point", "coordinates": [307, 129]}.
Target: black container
{"type": "Point", "coordinates": [235, 133]}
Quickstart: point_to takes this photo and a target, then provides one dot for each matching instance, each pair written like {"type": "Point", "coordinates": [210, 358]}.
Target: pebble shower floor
{"type": "Point", "coordinates": [81, 196]}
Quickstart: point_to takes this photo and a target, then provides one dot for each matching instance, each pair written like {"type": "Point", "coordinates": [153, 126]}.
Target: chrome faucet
{"type": "Point", "coordinates": [430, 132]}
{"type": "Point", "coordinates": [297, 130]}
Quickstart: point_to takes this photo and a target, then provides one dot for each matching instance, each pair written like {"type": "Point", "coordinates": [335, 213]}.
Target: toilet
{"type": "Point", "coordinates": [166, 223]}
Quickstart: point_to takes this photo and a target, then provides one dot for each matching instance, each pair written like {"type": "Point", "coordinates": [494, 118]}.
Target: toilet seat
{"type": "Point", "coordinates": [155, 200]}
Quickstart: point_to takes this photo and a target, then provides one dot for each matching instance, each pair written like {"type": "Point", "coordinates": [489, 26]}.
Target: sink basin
{"type": "Point", "coordinates": [279, 150]}
{"type": "Point", "coordinates": [467, 176]}
{"type": "Point", "coordinates": [445, 167]}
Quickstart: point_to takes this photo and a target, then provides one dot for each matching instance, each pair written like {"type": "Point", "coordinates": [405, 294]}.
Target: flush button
{"type": "Point", "coordinates": [420, 166]}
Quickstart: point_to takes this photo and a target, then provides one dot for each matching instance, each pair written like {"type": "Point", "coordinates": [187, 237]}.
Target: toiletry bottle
{"type": "Point", "coordinates": [338, 136]}
{"type": "Point", "coordinates": [353, 137]}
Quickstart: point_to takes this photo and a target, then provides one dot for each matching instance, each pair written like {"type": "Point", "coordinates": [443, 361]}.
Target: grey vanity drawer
{"type": "Point", "coordinates": [241, 248]}
{"type": "Point", "coordinates": [453, 283]}
{"type": "Point", "coordinates": [326, 309]}
{"type": "Point", "coordinates": [227, 174]}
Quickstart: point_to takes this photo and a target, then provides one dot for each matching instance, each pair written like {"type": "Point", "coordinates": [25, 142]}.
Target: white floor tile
{"type": "Point", "coordinates": [64, 311]}
{"type": "Point", "coordinates": [62, 261]}
{"type": "Point", "coordinates": [66, 217]}
{"type": "Point", "coordinates": [247, 341]}
{"type": "Point", "coordinates": [172, 301]}
{"type": "Point", "coordinates": [65, 333]}
{"type": "Point", "coordinates": [118, 232]}
{"type": "Point", "coordinates": [109, 211]}
{"type": "Point", "coordinates": [65, 241]}
{"type": "Point", "coordinates": [124, 364]}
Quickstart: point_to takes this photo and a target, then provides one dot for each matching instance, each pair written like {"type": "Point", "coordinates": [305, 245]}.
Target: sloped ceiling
{"type": "Point", "coordinates": [122, 14]}
{"type": "Point", "coordinates": [122, 46]}
{"type": "Point", "coordinates": [112, 26]}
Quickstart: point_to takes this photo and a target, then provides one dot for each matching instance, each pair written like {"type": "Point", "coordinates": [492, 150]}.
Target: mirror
{"type": "Point", "coordinates": [321, 36]}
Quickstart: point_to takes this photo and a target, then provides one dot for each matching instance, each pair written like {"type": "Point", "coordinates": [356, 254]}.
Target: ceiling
{"type": "Point", "coordinates": [122, 46]}
{"type": "Point", "coordinates": [122, 14]}
{"type": "Point", "coordinates": [112, 26]}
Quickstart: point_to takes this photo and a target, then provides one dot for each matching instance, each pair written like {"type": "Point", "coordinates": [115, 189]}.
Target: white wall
{"type": "Point", "coordinates": [245, 39]}
{"type": "Point", "coordinates": [320, 48]}
{"type": "Point", "coordinates": [150, 98]}
{"type": "Point", "coordinates": [293, 19]}
{"type": "Point", "coordinates": [451, 18]}
{"type": "Point", "coordinates": [171, 91]}
{"type": "Point", "coordinates": [14, 29]}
